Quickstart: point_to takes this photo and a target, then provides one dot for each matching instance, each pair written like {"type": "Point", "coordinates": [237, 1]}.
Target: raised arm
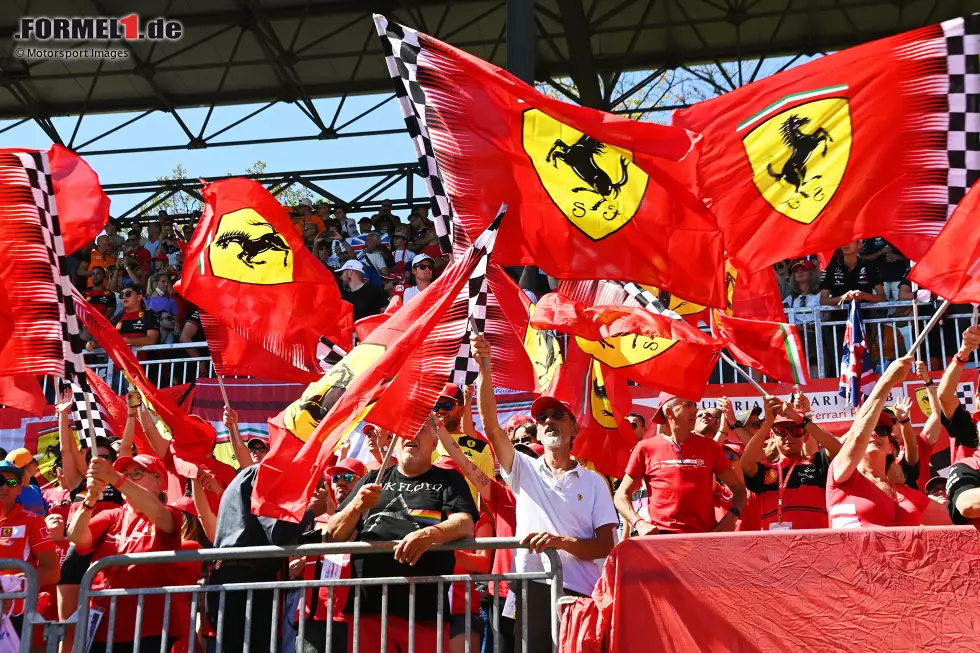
{"type": "Point", "coordinates": [466, 423]}
{"type": "Point", "coordinates": [857, 438]}
{"type": "Point", "coordinates": [209, 520]}
{"type": "Point", "coordinates": [159, 443]}
{"type": "Point", "coordinates": [475, 475]}
{"type": "Point", "coordinates": [133, 402]}
{"type": "Point", "coordinates": [933, 425]}
{"type": "Point", "coordinates": [242, 454]}
{"type": "Point", "coordinates": [140, 499]}
{"type": "Point", "coordinates": [909, 440]}
{"type": "Point", "coordinates": [72, 459]}
{"type": "Point", "coordinates": [818, 434]}
{"type": "Point", "coordinates": [486, 403]}
{"type": "Point", "coordinates": [951, 378]}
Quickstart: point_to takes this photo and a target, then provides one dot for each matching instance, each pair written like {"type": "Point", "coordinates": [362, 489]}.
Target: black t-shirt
{"type": "Point", "coordinates": [838, 278]}
{"type": "Point", "coordinates": [367, 300]}
{"type": "Point", "coordinates": [138, 324]}
{"type": "Point", "coordinates": [408, 504]}
{"type": "Point", "coordinates": [104, 299]}
{"type": "Point", "coordinates": [963, 476]}
{"type": "Point", "coordinates": [812, 476]}
{"type": "Point", "coordinates": [911, 473]}
{"type": "Point", "coordinates": [886, 271]}
{"type": "Point", "coordinates": [962, 433]}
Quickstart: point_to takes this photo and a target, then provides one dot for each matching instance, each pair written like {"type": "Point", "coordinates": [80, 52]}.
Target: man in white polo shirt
{"type": "Point", "coordinates": [560, 504]}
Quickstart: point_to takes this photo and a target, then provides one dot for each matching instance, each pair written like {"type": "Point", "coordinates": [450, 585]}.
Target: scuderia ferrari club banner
{"type": "Point", "coordinates": [876, 140]}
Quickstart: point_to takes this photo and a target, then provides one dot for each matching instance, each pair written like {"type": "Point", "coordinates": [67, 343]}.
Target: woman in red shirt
{"type": "Point", "coordinates": [859, 493]}
{"type": "Point", "coordinates": [144, 523]}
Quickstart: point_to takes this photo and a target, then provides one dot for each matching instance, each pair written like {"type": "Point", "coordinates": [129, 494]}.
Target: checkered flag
{"type": "Point", "coordinates": [962, 36]}
{"type": "Point", "coordinates": [86, 413]}
{"type": "Point", "coordinates": [965, 393]}
{"type": "Point", "coordinates": [402, 49]}
{"type": "Point", "coordinates": [646, 299]}
{"type": "Point", "coordinates": [466, 367]}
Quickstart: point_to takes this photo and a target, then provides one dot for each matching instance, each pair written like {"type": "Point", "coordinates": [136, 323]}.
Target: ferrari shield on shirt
{"type": "Point", "coordinates": [792, 493]}
{"type": "Point", "coordinates": [680, 481]}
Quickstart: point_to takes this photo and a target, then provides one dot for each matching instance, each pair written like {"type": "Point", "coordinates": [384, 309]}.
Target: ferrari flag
{"type": "Point", "coordinates": [951, 267]}
{"type": "Point", "coordinates": [249, 269]}
{"type": "Point", "coordinates": [876, 140]}
{"type": "Point", "coordinates": [591, 195]}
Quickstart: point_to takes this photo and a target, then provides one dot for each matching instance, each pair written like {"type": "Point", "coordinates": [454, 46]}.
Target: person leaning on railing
{"type": "Point", "coordinates": [143, 524]}
{"type": "Point", "coordinates": [560, 504]}
{"type": "Point", "coordinates": [417, 505]}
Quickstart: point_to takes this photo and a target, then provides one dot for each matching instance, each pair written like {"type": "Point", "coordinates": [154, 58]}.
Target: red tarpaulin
{"type": "Point", "coordinates": [894, 589]}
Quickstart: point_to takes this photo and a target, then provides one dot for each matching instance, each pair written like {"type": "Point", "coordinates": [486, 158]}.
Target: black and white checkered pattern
{"type": "Point", "coordinates": [86, 413]}
{"type": "Point", "coordinates": [402, 50]}
{"type": "Point", "coordinates": [646, 299]}
{"type": "Point", "coordinates": [966, 393]}
{"type": "Point", "coordinates": [39, 174]}
{"type": "Point", "coordinates": [963, 138]}
{"type": "Point", "coordinates": [466, 368]}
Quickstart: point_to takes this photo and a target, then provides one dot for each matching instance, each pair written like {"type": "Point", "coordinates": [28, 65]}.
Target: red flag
{"type": "Point", "coordinates": [951, 267]}
{"type": "Point", "coordinates": [773, 348]}
{"type": "Point", "coordinates": [600, 398]}
{"type": "Point", "coordinates": [648, 348]}
{"type": "Point", "coordinates": [247, 266]}
{"type": "Point", "coordinates": [233, 355]}
{"type": "Point", "coordinates": [117, 410]}
{"type": "Point", "coordinates": [83, 207]}
{"type": "Point", "coordinates": [23, 391]}
{"type": "Point", "coordinates": [591, 194]}
{"type": "Point", "coordinates": [397, 374]}
{"type": "Point", "coordinates": [508, 330]}
{"type": "Point", "coordinates": [860, 143]}
{"type": "Point", "coordinates": [192, 439]}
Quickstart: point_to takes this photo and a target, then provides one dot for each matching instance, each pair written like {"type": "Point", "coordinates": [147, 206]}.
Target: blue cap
{"type": "Point", "coordinates": [7, 467]}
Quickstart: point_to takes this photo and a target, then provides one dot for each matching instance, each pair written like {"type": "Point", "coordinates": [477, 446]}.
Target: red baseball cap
{"type": "Point", "coordinates": [535, 449]}
{"type": "Point", "coordinates": [658, 415]}
{"type": "Point", "coordinates": [785, 422]}
{"type": "Point", "coordinates": [146, 462]}
{"type": "Point", "coordinates": [453, 392]}
{"type": "Point", "coordinates": [886, 419]}
{"type": "Point", "coordinates": [352, 465]}
{"type": "Point", "coordinates": [802, 263]}
{"type": "Point", "coordinates": [544, 402]}
{"type": "Point", "coordinates": [186, 504]}
{"type": "Point", "coordinates": [734, 446]}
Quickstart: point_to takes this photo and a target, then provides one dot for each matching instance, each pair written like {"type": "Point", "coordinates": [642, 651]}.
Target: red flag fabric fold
{"type": "Point", "coordinates": [192, 439]}
{"type": "Point", "coordinates": [591, 194]}
{"type": "Point", "coordinates": [83, 207]}
{"type": "Point", "coordinates": [24, 392]}
{"type": "Point", "coordinates": [951, 267]}
{"type": "Point", "coordinates": [247, 266]}
{"type": "Point", "coordinates": [397, 373]}
{"type": "Point", "coordinates": [234, 355]}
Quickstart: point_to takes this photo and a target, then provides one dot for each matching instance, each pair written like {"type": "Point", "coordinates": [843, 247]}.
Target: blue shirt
{"type": "Point", "coordinates": [32, 500]}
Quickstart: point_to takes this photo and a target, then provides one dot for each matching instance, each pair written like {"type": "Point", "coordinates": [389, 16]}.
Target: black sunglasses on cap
{"type": "Point", "coordinates": [423, 266]}
{"type": "Point", "coordinates": [554, 413]}
{"type": "Point", "coordinates": [444, 406]}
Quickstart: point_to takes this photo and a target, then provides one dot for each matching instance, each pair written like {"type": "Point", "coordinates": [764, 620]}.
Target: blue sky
{"type": "Point", "coordinates": [278, 121]}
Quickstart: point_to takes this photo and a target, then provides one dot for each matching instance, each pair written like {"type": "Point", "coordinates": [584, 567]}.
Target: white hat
{"type": "Point", "coordinates": [356, 266]}
{"type": "Point", "coordinates": [306, 203]}
{"type": "Point", "coordinates": [420, 258]}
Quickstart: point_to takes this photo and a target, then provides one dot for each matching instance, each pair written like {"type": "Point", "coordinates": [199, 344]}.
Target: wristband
{"type": "Point", "coordinates": [905, 421]}
{"type": "Point", "coordinates": [929, 384]}
{"type": "Point", "coordinates": [735, 511]}
{"type": "Point", "coordinates": [86, 506]}
{"type": "Point", "coordinates": [805, 421]}
{"type": "Point", "coordinates": [957, 359]}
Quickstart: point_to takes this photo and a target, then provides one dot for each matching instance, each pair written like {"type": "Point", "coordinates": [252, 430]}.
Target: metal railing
{"type": "Point", "coordinates": [889, 332]}
{"type": "Point", "coordinates": [194, 592]}
{"type": "Point", "coordinates": [28, 594]}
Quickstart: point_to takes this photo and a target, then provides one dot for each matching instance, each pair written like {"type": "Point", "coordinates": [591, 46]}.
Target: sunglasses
{"type": "Point", "coordinates": [127, 293]}
{"type": "Point", "coordinates": [11, 482]}
{"type": "Point", "coordinates": [790, 433]}
{"type": "Point", "coordinates": [424, 266]}
{"type": "Point", "coordinates": [346, 478]}
{"type": "Point", "coordinates": [444, 406]}
{"type": "Point", "coordinates": [731, 455]}
{"type": "Point", "coordinates": [258, 449]}
{"type": "Point", "coordinates": [754, 424]}
{"type": "Point", "coordinates": [554, 414]}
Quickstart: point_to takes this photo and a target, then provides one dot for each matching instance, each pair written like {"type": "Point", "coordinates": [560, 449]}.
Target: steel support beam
{"type": "Point", "coordinates": [584, 72]}
{"type": "Point", "coordinates": [520, 39]}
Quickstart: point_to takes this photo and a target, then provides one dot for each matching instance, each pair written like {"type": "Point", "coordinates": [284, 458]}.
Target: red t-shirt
{"type": "Point", "coordinates": [123, 530]}
{"type": "Point", "coordinates": [329, 567]}
{"type": "Point", "coordinates": [503, 508]}
{"type": "Point", "coordinates": [751, 514]}
{"type": "Point", "coordinates": [680, 481]}
{"type": "Point", "coordinates": [457, 591]}
{"type": "Point", "coordinates": [23, 535]}
{"type": "Point", "coordinates": [859, 503]}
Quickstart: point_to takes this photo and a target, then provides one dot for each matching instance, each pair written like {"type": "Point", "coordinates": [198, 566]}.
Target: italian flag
{"type": "Point", "coordinates": [773, 348]}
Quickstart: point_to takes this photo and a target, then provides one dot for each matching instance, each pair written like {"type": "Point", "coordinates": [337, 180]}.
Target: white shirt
{"type": "Point", "coordinates": [152, 247]}
{"type": "Point", "coordinates": [575, 504]}
{"type": "Point", "coordinates": [803, 301]}
{"type": "Point", "coordinates": [409, 293]}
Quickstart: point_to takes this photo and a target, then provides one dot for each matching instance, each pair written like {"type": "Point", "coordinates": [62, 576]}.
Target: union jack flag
{"type": "Point", "coordinates": [855, 364]}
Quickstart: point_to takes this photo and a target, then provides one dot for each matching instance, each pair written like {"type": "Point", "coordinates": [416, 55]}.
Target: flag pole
{"type": "Point", "coordinates": [387, 456]}
{"type": "Point", "coordinates": [974, 320]}
{"type": "Point", "coordinates": [915, 318]}
{"type": "Point", "coordinates": [932, 322]}
{"type": "Point", "coordinates": [748, 377]}
{"type": "Point", "coordinates": [224, 392]}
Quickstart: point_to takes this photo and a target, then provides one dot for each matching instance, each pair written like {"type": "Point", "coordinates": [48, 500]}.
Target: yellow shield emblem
{"type": "Point", "coordinates": [303, 415]}
{"type": "Point", "coordinates": [595, 185]}
{"type": "Point", "coordinates": [544, 350]}
{"type": "Point", "coordinates": [625, 351]}
{"type": "Point", "coordinates": [922, 398]}
{"type": "Point", "coordinates": [599, 404]}
{"type": "Point", "coordinates": [247, 249]}
{"type": "Point", "coordinates": [800, 154]}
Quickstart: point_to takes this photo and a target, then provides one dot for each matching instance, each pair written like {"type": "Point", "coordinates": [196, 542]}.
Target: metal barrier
{"type": "Point", "coordinates": [888, 329]}
{"type": "Point", "coordinates": [81, 641]}
{"type": "Point", "coordinates": [28, 595]}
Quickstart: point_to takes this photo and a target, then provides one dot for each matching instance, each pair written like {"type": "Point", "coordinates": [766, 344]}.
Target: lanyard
{"type": "Point", "coordinates": [783, 482]}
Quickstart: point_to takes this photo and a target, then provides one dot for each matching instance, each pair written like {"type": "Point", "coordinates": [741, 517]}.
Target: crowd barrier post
{"type": "Point", "coordinates": [28, 594]}
{"type": "Point", "coordinates": [818, 341]}
{"type": "Point", "coordinates": [196, 594]}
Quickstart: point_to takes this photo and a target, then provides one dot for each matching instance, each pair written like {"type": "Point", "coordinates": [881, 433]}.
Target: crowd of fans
{"type": "Point", "coordinates": [692, 471]}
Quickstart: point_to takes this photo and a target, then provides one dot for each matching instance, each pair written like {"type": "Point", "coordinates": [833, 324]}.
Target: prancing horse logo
{"type": "Point", "coordinates": [803, 146]}
{"type": "Point", "coordinates": [252, 247]}
{"type": "Point", "coordinates": [580, 157]}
